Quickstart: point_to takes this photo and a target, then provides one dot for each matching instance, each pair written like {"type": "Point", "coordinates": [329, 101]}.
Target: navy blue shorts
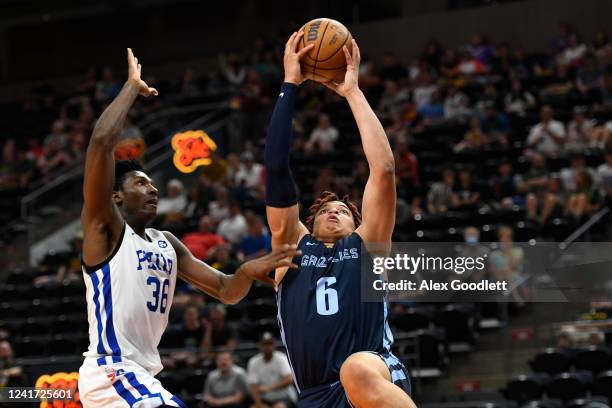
{"type": "Point", "coordinates": [334, 396]}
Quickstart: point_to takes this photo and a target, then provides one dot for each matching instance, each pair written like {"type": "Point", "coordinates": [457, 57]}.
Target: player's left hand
{"type": "Point", "coordinates": [351, 78]}
{"type": "Point", "coordinates": [260, 268]}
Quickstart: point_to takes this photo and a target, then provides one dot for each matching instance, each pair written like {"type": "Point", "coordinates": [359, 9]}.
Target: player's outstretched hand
{"type": "Point", "coordinates": [134, 71]}
{"type": "Point", "coordinates": [291, 59]}
{"type": "Point", "coordinates": [351, 78]}
{"type": "Point", "coordinates": [260, 268]}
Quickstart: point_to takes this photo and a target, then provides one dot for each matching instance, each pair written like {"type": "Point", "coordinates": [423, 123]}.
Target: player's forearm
{"type": "Point", "coordinates": [373, 138]}
{"type": "Point", "coordinates": [235, 287]}
{"type": "Point", "coordinates": [112, 120]}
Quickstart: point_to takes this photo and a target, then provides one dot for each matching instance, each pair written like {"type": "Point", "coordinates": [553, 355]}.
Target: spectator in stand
{"type": "Point", "coordinates": [601, 45]}
{"type": "Point", "coordinates": [487, 98]}
{"type": "Point", "coordinates": [432, 112]}
{"type": "Point", "coordinates": [586, 198]}
{"type": "Point", "coordinates": [257, 242]}
{"type": "Point", "coordinates": [11, 374]}
{"type": "Point", "coordinates": [406, 165]}
{"type": "Point", "coordinates": [589, 78]}
{"type": "Point", "coordinates": [221, 258]}
{"type": "Point", "coordinates": [234, 71]}
{"type": "Point", "coordinates": [506, 264]}
{"type": "Point", "coordinates": [250, 174]}
{"type": "Point", "coordinates": [548, 136]}
{"type": "Point", "coordinates": [55, 158]}
{"type": "Point", "coordinates": [218, 209]}
{"type": "Point", "coordinates": [495, 125]}
{"type": "Point", "coordinates": [580, 130]}
{"type": "Point", "coordinates": [561, 84]}
{"type": "Point", "coordinates": [466, 191]}
{"type": "Point", "coordinates": [392, 96]}
{"type": "Point", "coordinates": [423, 89]}
{"type": "Point", "coordinates": [468, 65]}
{"type": "Point", "coordinates": [203, 240]}
{"type": "Point", "coordinates": [200, 197]}
{"type": "Point", "coordinates": [175, 201]}
{"type": "Point", "coordinates": [397, 129]}
{"type": "Point", "coordinates": [440, 196]}
{"type": "Point", "coordinates": [604, 175]}
{"type": "Point", "coordinates": [323, 137]}
{"type": "Point", "coordinates": [482, 50]}
{"type": "Point", "coordinates": [561, 41]}
{"type": "Point", "coordinates": [536, 183]}
{"type": "Point", "coordinates": [475, 139]}
{"type": "Point", "coordinates": [391, 69]}
{"type": "Point", "coordinates": [191, 331]}
{"type": "Point", "coordinates": [577, 164]}
{"type": "Point", "coordinates": [216, 332]}
{"type": "Point", "coordinates": [518, 101]}
{"type": "Point", "coordinates": [573, 55]}
{"type": "Point", "coordinates": [227, 385]}
{"type": "Point", "coordinates": [504, 186]}
{"type": "Point", "coordinates": [269, 376]}
{"type": "Point", "coordinates": [234, 227]}
{"type": "Point", "coordinates": [456, 105]}
{"type": "Point", "coordinates": [106, 88]}
{"type": "Point", "coordinates": [448, 64]}
{"type": "Point", "coordinates": [473, 249]}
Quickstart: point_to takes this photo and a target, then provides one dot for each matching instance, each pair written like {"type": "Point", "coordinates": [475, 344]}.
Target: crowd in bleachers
{"type": "Point", "coordinates": [490, 144]}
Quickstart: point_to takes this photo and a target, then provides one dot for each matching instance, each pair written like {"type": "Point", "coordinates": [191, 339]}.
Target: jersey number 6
{"type": "Point", "coordinates": [327, 297]}
{"type": "Point", "coordinates": [158, 301]}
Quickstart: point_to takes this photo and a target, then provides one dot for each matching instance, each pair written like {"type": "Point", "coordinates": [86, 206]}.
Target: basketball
{"type": "Point", "coordinates": [325, 61]}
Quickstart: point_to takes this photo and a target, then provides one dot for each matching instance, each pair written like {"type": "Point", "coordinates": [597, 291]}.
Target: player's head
{"type": "Point", "coordinates": [134, 192]}
{"type": "Point", "coordinates": [332, 218]}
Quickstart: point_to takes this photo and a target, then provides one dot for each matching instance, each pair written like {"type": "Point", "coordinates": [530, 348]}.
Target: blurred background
{"type": "Point", "coordinates": [499, 114]}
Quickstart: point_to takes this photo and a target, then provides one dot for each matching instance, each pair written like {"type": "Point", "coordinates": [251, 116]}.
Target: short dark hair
{"type": "Point", "coordinates": [328, 197]}
{"type": "Point", "coordinates": [122, 168]}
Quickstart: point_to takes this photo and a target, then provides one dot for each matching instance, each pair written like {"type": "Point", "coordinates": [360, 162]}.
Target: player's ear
{"type": "Point", "coordinates": [118, 198]}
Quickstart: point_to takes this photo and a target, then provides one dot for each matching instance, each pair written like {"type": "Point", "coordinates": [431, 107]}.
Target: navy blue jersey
{"type": "Point", "coordinates": [322, 318]}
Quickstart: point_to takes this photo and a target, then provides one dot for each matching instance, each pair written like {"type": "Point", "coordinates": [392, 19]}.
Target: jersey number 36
{"type": "Point", "coordinates": [160, 297]}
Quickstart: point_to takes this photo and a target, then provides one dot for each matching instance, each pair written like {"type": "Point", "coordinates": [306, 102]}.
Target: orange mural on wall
{"type": "Point", "coordinates": [65, 382]}
{"type": "Point", "coordinates": [192, 149]}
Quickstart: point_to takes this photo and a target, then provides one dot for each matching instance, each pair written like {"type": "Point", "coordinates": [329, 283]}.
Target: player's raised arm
{"type": "Point", "coordinates": [230, 289]}
{"type": "Point", "coordinates": [100, 216]}
{"type": "Point", "coordinates": [379, 196]}
{"type": "Point", "coordinates": [281, 198]}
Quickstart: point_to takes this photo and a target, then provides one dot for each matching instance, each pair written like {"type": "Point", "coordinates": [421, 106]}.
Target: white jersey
{"type": "Point", "coordinates": [129, 298]}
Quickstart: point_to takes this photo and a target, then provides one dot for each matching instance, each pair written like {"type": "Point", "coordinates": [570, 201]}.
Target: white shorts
{"type": "Point", "coordinates": [120, 385]}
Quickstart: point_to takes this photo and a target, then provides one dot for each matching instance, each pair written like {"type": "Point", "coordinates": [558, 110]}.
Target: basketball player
{"type": "Point", "coordinates": [339, 347]}
{"type": "Point", "coordinates": [130, 271]}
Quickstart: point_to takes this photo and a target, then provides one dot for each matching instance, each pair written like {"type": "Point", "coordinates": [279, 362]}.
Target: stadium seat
{"type": "Point", "coordinates": [171, 381]}
{"type": "Point", "coordinates": [544, 403]}
{"type": "Point", "coordinates": [569, 386]}
{"type": "Point", "coordinates": [594, 359]}
{"type": "Point", "coordinates": [194, 383]}
{"type": "Point", "coordinates": [550, 361]}
{"type": "Point", "coordinates": [62, 345]}
{"type": "Point", "coordinates": [458, 322]}
{"type": "Point", "coordinates": [411, 320]}
{"type": "Point", "coordinates": [261, 310]}
{"type": "Point", "coordinates": [602, 385]}
{"type": "Point", "coordinates": [592, 402]}
{"type": "Point", "coordinates": [33, 327]}
{"type": "Point", "coordinates": [29, 347]}
{"type": "Point", "coordinates": [523, 388]}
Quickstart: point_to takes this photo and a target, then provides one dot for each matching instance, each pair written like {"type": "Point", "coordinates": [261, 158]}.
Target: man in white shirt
{"type": "Point", "coordinates": [323, 137]}
{"type": "Point", "coordinates": [269, 376]}
{"type": "Point", "coordinates": [548, 136]}
{"type": "Point", "coordinates": [249, 173]}
{"type": "Point", "coordinates": [175, 201]}
{"type": "Point", "coordinates": [234, 227]}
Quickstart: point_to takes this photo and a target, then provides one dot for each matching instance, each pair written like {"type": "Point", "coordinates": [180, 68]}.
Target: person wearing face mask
{"type": "Point", "coordinates": [473, 249]}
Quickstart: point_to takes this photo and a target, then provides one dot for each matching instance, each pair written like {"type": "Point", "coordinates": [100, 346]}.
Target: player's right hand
{"type": "Point", "coordinates": [260, 268]}
{"type": "Point", "coordinates": [291, 60]}
{"type": "Point", "coordinates": [134, 71]}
